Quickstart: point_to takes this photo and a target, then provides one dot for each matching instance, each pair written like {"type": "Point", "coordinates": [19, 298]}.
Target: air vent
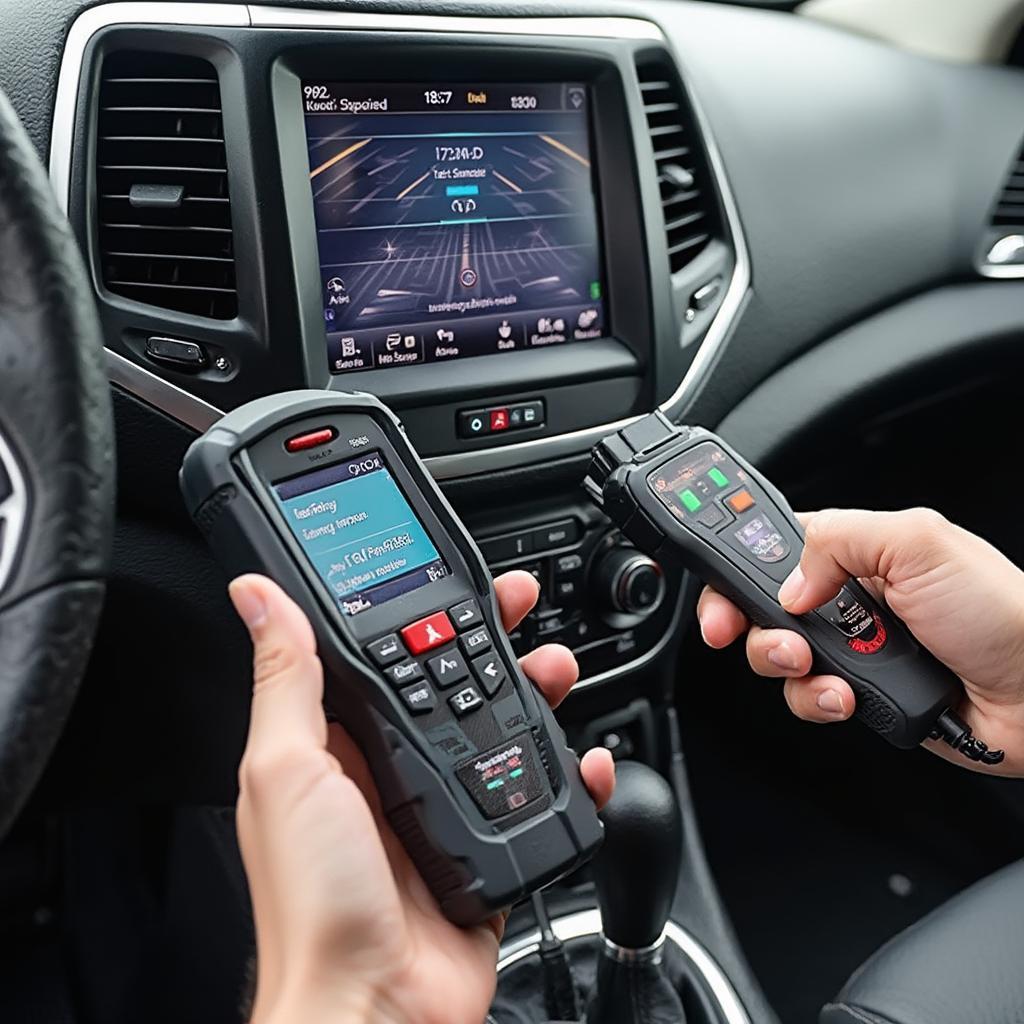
{"type": "Point", "coordinates": [162, 187]}
{"type": "Point", "coordinates": [1009, 208]}
{"type": "Point", "coordinates": [687, 199]}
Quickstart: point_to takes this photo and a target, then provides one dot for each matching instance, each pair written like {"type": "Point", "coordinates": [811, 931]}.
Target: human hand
{"type": "Point", "coordinates": [958, 595]}
{"type": "Point", "coordinates": [346, 929]}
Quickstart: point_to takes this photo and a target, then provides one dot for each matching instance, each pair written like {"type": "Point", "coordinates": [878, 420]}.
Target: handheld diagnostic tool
{"type": "Point", "coordinates": [682, 495]}
{"type": "Point", "coordinates": [323, 493]}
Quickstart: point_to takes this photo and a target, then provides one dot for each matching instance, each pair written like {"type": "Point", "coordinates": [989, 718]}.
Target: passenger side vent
{"type": "Point", "coordinates": [162, 201]}
{"type": "Point", "coordinates": [687, 197]}
{"type": "Point", "coordinates": [1009, 209]}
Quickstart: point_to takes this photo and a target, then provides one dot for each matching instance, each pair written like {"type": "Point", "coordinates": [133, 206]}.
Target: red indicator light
{"type": "Point", "coordinates": [313, 439]}
{"type": "Point", "coordinates": [499, 419]}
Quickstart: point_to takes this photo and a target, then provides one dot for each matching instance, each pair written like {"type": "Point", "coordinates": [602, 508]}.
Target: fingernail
{"type": "Point", "coordinates": [792, 587]}
{"type": "Point", "coordinates": [248, 602]}
{"type": "Point", "coordinates": [782, 656]}
{"type": "Point", "coordinates": [830, 702]}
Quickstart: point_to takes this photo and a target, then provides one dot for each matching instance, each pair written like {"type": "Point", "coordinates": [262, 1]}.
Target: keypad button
{"type": "Point", "coordinates": [386, 651]}
{"type": "Point", "coordinates": [465, 701]}
{"type": "Point", "coordinates": [419, 698]}
{"type": "Point", "coordinates": [565, 590]}
{"type": "Point", "coordinates": [465, 615]}
{"type": "Point", "coordinates": [568, 565]}
{"type": "Point", "coordinates": [489, 673]}
{"type": "Point", "coordinates": [500, 549]}
{"type": "Point", "coordinates": [740, 501]}
{"type": "Point", "coordinates": [549, 627]}
{"type": "Point", "coordinates": [714, 515]}
{"type": "Point", "coordinates": [556, 535]}
{"type": "Point", "coordinates": [532, 413]}
{"type": "Point", "coordinates": [428, 633]}
{"type": "Point", "coordinates": [475, 642]}
{"type": "Point", "coordinates": [405, 672]}
{"type": "Point", "coordinates": [474, 423]}
{"type": "Point", "coordinates": [447, 669]}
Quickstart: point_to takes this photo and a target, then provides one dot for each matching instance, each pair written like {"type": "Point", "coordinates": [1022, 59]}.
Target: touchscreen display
{"type": "Point", "coordinates": [359, 532]}
{"type": "Point", "coordinates": [452, 221]}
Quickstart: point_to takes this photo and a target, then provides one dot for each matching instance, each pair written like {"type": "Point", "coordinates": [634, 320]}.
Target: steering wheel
{"type": "Point", "coordinates": [56, 468]}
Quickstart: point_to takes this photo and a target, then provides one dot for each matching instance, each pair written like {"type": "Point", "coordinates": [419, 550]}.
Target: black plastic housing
{"type": "Point", "coordinates": [901, 689]}
{"type": "Point", "coordinates": [474, 866]}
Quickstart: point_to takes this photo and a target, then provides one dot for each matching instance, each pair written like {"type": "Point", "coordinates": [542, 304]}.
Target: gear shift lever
{"type": "Point", "coordinates": [637, 867]}
{"type": "Point", "coordinates": [636, 872]}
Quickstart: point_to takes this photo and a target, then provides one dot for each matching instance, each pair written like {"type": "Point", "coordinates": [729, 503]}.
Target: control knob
{"type": "Point", "coordinates": [633, 583]}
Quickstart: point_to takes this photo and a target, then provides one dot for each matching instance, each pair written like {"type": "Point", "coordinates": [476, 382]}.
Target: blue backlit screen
{"type": "Point", "coordinates": [359, 532]}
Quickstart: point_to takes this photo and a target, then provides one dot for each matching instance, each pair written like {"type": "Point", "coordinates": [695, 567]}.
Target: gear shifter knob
{"type": "Point", "coordinates": [637, 867]}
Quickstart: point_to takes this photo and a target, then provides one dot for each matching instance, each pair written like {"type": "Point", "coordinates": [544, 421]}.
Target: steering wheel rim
{"type": "Point", "coordinates": [57, 482]}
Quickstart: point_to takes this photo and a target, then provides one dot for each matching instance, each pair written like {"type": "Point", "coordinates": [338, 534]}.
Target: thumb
{"type": "Point", "coordinates": [840, 543]}
{"type": "Point", "coordinates": [287, 715]}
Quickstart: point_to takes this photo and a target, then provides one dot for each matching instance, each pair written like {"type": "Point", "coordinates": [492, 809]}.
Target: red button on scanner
{"type": "Point", "coordinates": [428, 633]}
{"type": "Point", "coordinates": [313, 439]}
{"type": "Point", "coordinates": [499, 419]}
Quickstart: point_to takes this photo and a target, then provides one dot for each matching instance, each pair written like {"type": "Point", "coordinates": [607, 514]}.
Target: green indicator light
{"type": "Point", "coordinates": [718, 477]}
{"type": "Point", "coordinates": [595, 289]}
{"type": "Point", "coordinates": [515, 774]}
{"type": "Point", "coordinates": [496, 783]}
{"type": "Point", "coordinates": [690, 500]}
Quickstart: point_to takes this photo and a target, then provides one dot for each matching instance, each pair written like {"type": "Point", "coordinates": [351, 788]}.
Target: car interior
{"type": "Point", "coordinates": [522, 227]}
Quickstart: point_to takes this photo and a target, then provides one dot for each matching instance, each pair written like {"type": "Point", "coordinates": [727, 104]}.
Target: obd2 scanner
{"type": "Point", "coordinates": [323, 493]}
{"type": "Point", "coordinates": [683, 496]}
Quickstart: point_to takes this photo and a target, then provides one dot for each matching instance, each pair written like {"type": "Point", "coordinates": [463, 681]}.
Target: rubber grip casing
{"type": "Point", "coordinates": [473, 869]}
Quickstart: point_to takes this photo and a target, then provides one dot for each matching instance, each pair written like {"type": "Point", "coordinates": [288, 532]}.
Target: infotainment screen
{"type": "Point", "coordinates": [359, 532]}
{"type": "Point", "coordinates": [453, 220]}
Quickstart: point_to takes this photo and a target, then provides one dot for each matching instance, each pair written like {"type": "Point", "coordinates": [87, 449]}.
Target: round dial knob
{"type": "Point", "coordinates": [633, 582]}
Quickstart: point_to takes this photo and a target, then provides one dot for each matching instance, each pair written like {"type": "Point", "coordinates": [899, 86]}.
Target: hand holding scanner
{"type": "Point", "coordinates": [682, 494]}
{"type": "Point", "coordinates": [323, 493]}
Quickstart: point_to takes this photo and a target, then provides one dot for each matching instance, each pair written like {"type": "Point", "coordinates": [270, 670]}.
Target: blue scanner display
{"type": "Point", "coordinates": [359, 532]}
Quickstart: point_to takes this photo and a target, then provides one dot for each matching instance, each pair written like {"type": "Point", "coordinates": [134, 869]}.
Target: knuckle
{"type": "Point", "coordinates": [926, 525]}
{"type": "Point", "coordinates": [822, 527]}
{"type": "Point", "coordinates": [262, 772]}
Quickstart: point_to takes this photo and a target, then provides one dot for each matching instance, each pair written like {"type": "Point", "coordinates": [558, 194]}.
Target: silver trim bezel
{"type": "Point", "coordinates": [588, 923]}
{"type": "Point", "coordinates": [169, 398]}
{"type": "Point", "coordinates": [13, 512]}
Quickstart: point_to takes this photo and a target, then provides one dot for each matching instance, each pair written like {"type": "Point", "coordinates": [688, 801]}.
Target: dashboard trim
{"type": "Point", "coordinates": [196, 412]}
{"type": "Point", "coordinates": [176, 402]}
{"type": "Point", "coordinates": [594, 28]}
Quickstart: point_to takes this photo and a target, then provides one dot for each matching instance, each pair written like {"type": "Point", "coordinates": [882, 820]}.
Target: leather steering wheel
{"type": "Point", "coordinates": [56, 468]}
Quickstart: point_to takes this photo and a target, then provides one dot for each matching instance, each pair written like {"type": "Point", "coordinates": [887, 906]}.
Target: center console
{"type": "Point", "coordinates": [516, 232]}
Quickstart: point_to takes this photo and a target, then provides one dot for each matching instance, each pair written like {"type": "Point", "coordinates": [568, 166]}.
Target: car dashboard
{"type": "Point", "coordinates": [521, 230]}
